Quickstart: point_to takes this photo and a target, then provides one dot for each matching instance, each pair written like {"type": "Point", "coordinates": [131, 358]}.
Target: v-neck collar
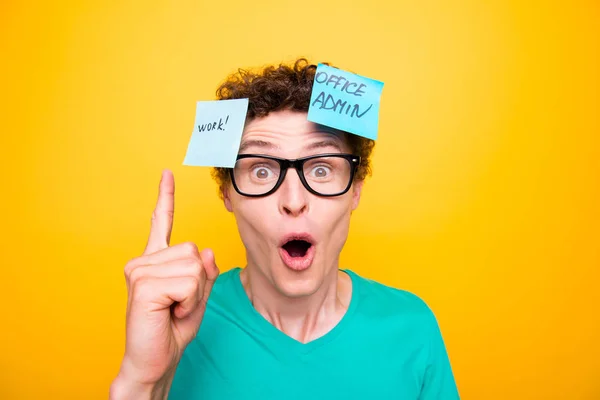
{"type": "Point", "coordinates": [283, 338]}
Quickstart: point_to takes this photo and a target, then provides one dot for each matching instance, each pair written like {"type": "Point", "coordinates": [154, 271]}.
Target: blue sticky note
{"type": "Point", "coordinates": [217, 133]}
{"type": "Point", "coordinates": [345, 101]}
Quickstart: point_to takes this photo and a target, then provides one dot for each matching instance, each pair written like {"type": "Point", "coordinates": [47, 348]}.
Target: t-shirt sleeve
{"type": "Point", "coordinates": [438, 381]}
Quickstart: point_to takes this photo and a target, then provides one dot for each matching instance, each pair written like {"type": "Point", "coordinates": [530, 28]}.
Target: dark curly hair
{"type": "Point", "coordinates": [283, 87]}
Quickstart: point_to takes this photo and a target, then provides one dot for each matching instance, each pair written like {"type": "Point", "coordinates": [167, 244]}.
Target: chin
{"type": "Point", "coordinates": [294, 285]}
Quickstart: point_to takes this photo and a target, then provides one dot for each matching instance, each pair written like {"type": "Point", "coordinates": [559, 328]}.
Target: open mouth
{"type": "Point", "coordinates": [297, 251]}
{"type": "Point", "coordinates": [297, 248]}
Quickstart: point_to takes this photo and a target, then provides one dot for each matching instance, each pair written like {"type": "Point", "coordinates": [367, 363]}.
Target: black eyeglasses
{"type": "Point", "coordinates": [325, 175]}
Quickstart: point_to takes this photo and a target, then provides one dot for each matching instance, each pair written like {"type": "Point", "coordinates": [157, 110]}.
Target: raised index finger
{"type": "Point", "coordinates": [162, 217]}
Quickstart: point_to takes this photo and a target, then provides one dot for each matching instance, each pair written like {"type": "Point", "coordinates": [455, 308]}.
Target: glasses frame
{"type": "Point", "coordinates": [298, 165]}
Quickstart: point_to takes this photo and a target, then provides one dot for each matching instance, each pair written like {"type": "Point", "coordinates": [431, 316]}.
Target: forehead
{"type": "Point", "coordinates": [290, 131]}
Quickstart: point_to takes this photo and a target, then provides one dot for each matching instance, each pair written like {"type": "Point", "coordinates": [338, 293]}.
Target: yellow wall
{"type": "Point", "coordinates": [484, 200]}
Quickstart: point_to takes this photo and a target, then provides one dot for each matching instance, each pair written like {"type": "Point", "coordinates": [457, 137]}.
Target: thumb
{"type": "Point", "coordinates": [212, 271]}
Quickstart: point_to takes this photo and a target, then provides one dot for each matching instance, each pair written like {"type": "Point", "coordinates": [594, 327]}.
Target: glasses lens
{"type": "Point", "coordinates": [256, 175]}
{"type": "Point", "coordinates": [328, 175]}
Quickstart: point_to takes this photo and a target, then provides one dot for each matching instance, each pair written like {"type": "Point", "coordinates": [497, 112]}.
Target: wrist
{"type": "Point", "coordinates": [124, 388]}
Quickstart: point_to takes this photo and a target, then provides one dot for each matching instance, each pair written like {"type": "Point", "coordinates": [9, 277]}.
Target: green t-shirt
{"type": "Point", "coordinates": [387, 346]}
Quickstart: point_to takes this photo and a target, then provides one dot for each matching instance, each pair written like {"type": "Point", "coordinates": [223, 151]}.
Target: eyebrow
{"type": "Point", "coordinates": [325, 143]}
{"type": "Point", "coordinates": [257, 143]}
{"type": "Point", "coordinates": [270, 146]}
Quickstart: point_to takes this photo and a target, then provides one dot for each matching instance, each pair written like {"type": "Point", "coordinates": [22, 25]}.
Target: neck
{"type": "Point", "coordinates": [303, 318]}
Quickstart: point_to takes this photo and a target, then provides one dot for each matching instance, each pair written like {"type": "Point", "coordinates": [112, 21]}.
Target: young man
{"type": "Point", "coordinates": [291, 324]}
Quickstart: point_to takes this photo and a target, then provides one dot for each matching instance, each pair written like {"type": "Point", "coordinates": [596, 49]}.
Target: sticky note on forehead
{"type": "Point", "coordinates": [345, 101]}
{"type": "Point", "coordinates": [217, 133]}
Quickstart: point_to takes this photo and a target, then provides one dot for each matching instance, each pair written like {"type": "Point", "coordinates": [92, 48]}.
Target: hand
{"type": "Point", "coordinates": [168, 288]}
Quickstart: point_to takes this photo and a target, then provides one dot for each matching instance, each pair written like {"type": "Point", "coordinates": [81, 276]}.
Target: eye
{"type": "Point", "coordinates": [320, 171]}
{"type": "Point", "coordinates": [262, 172]}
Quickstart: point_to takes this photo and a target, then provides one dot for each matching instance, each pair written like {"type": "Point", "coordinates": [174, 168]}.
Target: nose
{"type": "Point", "coordinates": [293, 197]}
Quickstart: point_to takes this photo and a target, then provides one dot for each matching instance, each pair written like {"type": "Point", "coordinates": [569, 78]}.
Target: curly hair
{"type": "Point", "coordinates": [283, 87]}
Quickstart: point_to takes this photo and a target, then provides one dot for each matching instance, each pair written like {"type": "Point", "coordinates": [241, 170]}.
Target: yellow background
{"type": "Point", "coordinates": [484, 199]}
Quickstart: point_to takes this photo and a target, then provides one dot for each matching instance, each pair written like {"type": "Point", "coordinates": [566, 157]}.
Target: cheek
{"type": "Point", "coordinates": [254, 221]}
{"type": "Point", "coordinates": [340, 233]}
{"type": "Point", "coordinates": [335, 224]}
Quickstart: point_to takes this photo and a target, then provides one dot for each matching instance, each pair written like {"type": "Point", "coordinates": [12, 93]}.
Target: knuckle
{"type": "Point", "coordinates": [130, 266]}
{"type": "Point", "coordinates": [141, 289]}
{"type": "Point", "coordinates": [191, 248]}
{"type": "Point", "coordinates": [195, 265]}
{"type": "Point", "coordinates": [162, 212]}
{"type": "Point", "coordinates": [192, 284]}
{"type": "Point", "coordinates": [136, 274]}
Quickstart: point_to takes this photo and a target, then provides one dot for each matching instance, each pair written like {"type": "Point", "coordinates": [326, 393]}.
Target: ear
{"type": "Point", "coordinates": [227, 198]}
{"type": "Point", "coordinates": [356, 191]}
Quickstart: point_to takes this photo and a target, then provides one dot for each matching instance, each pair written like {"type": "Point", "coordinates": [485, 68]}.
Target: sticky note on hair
{"type": "Point", "coordinates": [217, 133]}
{"type": "Point", "coordinates": [345, 101]}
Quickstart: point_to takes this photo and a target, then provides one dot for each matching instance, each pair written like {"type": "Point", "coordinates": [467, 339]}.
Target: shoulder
{"type": "Point", "coordinates": [225, 294]}
{"type": "Point", "coordinates": [383, 301]}
{"type": "Point", "coordinates": [226, 280]}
